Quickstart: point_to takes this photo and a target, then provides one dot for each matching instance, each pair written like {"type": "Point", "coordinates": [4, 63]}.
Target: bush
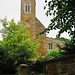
{"type": "Point", "coordinates": [53, 54]}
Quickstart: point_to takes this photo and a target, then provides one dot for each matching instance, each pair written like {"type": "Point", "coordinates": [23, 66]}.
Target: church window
{"type": "Point", "coordinates": [50, 46]}
{"type": "Point", "coordinates": [27, 9]}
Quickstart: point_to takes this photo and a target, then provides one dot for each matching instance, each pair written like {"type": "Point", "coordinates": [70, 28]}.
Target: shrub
{"type": "Point", "coordinates": [54, 53]}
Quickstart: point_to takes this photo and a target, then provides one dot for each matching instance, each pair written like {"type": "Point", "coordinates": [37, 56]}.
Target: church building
{"type": "Point", "coordinates": [28, 18]}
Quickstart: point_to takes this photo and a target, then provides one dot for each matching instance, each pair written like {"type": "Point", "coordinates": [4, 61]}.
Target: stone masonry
{"type": "Point", "coordinates": [55, 43]}
{"type": "Point", "coordinates": [28, 18]}
{"type": "Point", "coordinates": [61, 66]}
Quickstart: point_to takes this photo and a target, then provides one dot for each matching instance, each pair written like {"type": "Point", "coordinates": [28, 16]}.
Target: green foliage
{"type": "Point", "coordinates": [62, 39]}
{"type": "Point", "coordinates": [37, 68]}
{"type": "Point", "coordinates": [17, 42]}
{"type": "Point", "coordinates": [6, 62]}
{"type": "Point", "coordinates": [63, 12]}
{"type": "Point", "coordinates": [9, 28]}
{"type": "Point", "coordinates": [69, 47]}
{"type": "Point", "coordinates": [53, 54]}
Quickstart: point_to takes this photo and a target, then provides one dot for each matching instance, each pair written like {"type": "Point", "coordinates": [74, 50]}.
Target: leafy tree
{"type": "Point", "coordinates": [63, 12]}
{"type": "Point", "coordinates": [63, 39]}
{"type": "Point", "coordinates": [69, 47]}
{"type": "Point", "coordinates": [17, 41]}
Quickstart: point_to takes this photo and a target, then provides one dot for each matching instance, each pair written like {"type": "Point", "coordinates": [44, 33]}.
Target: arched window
{"type": "Point", "coordinates": [27, 9]}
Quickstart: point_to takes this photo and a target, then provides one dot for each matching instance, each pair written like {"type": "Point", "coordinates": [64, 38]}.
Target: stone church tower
{"type": "Point", "coordinates": [28, 18]}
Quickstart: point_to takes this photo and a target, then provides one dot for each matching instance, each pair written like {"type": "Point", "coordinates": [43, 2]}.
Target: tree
{"type": "Point", "coordinates": [63, 39]}
{"type": "Point", "coordinates": [6, 62]}
{"type": "Point", "coordinates": [69, 47]}
{"type": "Point", "coordinates": [63, 12]}
{"type": "Point", "coordinates": [17, 41]}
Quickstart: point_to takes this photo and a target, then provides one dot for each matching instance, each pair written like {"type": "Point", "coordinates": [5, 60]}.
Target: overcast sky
{"type": "Point", "coordinates": [11, 9]}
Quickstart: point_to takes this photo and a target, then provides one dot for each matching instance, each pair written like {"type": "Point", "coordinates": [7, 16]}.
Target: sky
{"type": "Point", "coordinates": [12, 9]}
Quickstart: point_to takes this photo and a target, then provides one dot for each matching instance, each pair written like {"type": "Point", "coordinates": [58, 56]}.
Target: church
{"type": "Point", "coordinates": [28, 18]}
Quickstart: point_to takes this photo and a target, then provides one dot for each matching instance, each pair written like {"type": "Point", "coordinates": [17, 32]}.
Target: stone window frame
{"type": "Point", "coordinates": [50, 46]}
{"type": "Point", "coordinates": [27, 6]}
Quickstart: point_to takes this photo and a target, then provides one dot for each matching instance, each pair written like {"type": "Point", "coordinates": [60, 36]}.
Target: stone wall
{"type": "Point", "coordinates": [43, 42]}
{"type": "Point", "coordinates": [54, 43]}
{"type": "Point", "coordinates": [61, 66]}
